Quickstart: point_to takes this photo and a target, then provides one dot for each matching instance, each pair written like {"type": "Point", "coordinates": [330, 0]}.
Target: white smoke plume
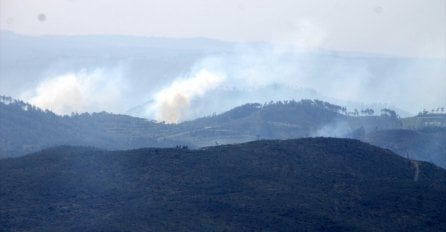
{"type": "Point", "coordinates": [294, 67]}
{"type": "Point", "coordinates": [335, 129]}
{"type": "Point", "coordinates": [265, 73]}
{"type": "Point", "coordinates": [83, 91]}
{"type": "Point", "coordinates": [171, 102]}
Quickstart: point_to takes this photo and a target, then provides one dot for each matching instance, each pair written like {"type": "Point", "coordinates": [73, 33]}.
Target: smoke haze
{"type": "Point", "coordinates": [263, 74]}
{"type": "Point", "coordinates": [82, 91]}
{"type": "Point", "coordinates": [170, 102]}
{"type": "Point", "coordinates": [184, 79]}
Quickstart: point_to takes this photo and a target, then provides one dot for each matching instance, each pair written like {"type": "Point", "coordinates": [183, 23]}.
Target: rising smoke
{"type": "Point", "coordinates": [293, 68]}
{"type": "Point", "coordinates": [262, 74]}
{"type": "Point", "coordinates": [171, 102]}
{"type": "Point", "coordinates": [83, 91]}
{"type": "Point", "coordinates": [254, 73]}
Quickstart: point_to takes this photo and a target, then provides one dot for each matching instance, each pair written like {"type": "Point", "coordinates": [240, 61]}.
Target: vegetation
{"type": "Point", "coordinates": [306, 185]}
{"type": "Point", "coordinates": [25, 128]}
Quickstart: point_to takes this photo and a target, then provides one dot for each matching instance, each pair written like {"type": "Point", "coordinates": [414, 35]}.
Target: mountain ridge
{"type": "Point", "coordinates": [25, 128]}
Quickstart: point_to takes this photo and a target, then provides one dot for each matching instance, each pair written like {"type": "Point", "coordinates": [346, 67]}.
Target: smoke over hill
{"type": "Point", "coordinates": [186, 79]}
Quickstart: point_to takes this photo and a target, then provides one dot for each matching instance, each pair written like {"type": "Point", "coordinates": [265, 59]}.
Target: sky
{"type": "Point", "coordinates": [415, 28]}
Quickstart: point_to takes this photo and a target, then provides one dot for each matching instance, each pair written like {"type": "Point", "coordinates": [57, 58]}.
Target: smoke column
{"type": "Point", "coordinates": [171, 102]}
{"type": "Point", "coordinates": [83, 91]}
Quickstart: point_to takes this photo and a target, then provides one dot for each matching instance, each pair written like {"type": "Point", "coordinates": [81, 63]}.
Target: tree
{"type": "Point", "coordinates": [389, 113]}
{"type": "Point", "coordinates": [368, 111]}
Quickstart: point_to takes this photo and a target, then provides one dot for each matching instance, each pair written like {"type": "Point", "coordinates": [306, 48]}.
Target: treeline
{"type": "Point", "coordinates": [323, 105]}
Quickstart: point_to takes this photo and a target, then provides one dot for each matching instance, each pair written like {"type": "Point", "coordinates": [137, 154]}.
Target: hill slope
{"type": "Point", "coordinates": [307, 184]}
{"type": "Point", "coordinates": [25, 128]}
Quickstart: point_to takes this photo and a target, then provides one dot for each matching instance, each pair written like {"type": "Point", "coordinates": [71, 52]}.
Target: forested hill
{"type": "Point", "coordinates": [313, 184]}
{"type": "Point", "coordinates": [289, 119]}
{"type": "Point", "coordinates": [25, 128]}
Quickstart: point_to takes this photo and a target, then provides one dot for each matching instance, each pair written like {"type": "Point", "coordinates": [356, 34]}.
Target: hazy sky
{"type": "Point", "coordinates": [398, 27]}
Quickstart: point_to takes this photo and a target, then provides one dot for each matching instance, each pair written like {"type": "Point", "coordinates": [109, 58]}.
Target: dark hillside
{"type": "Point", "coordinates": [315, 184]}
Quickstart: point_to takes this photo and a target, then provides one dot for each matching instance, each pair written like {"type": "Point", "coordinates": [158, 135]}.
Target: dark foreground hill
{"type": "Point", "coordinates": [291, 185]}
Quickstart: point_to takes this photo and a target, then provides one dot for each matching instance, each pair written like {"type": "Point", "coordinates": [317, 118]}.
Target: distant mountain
{"type": "Point", "coordinates": [145, 65]}
{"type": "Point", "coordinates": [314, 184]}
{"type": "Point", "coordinates": [27, 60]}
